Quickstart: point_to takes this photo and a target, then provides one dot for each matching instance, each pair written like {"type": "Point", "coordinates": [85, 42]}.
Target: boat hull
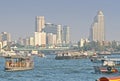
{"type": "Point", "coordinates": [18, 68]}
{"type": "Point", "coordinates": [105, 69]}
{"type": "Point", "coordinates": [69, 57]}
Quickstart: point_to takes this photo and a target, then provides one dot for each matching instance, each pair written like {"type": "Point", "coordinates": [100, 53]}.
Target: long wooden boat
{"type": "Point", "coordinates": [18, 63]}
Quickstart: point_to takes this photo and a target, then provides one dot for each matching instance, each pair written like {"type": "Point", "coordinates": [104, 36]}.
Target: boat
{"type": "Point", "coordinates": [108, 66]}
{"type": "Point", "coordinates": [104, 53]}
{"type": "Point", "coordinates": [97, 58]}
{"type": "Point", "coordinates": [63, 55]}
{"type": "Point", "coordinates": [41, 55]}
{"type": "Point", "coordinates": [18, 63]}
{"type": "Point", "coordinates": [69, 55]}
{"type": "Point", "coordinates": [116, 78]}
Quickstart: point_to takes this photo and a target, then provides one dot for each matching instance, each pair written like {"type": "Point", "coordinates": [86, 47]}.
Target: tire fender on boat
{"type": "Point", "coordinates": [109, 68]}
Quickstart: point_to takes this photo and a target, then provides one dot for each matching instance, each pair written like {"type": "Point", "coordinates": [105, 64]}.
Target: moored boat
{"type": "Point", "coordinates": [108, 66]}
{"type": "Point", "coordinates": [97, 58]}
{"type": "Point", "coordinates": [104, 53]}
{"type": "Point", "coordinates": [70, 55]}
{"type": "Point", "coordinates": [18, 63]}
{"type": "Point", "coordinates": [63, 55]}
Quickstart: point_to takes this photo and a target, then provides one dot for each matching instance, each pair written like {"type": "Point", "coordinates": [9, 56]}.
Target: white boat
{"type": "Point", "coordinates": [97, 58]}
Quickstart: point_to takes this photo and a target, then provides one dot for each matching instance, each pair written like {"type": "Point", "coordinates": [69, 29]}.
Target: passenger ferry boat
{"type": "Point", "coordinates": [111, 65]}
{"type": "Point", "coordinates": [18, 63]}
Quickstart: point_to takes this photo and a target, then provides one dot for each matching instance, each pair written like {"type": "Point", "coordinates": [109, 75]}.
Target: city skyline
{"type": "Point", "coordinates": [18, 17]}
{"type": "Point", "coordinates": [44, 34]}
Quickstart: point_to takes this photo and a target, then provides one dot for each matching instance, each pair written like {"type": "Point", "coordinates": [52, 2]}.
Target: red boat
{"type": "Point", "coordinates": [109, 79]}
{"type": "Point", "coordinates": [105, 69]}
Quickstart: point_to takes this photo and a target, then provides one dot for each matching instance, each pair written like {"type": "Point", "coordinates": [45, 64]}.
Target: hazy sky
{"type": "Point", "coordinates": [18, 16]}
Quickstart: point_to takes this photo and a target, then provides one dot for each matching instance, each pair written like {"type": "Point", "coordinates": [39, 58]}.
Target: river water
{"type": "Point", "coordinates": [49, 69]}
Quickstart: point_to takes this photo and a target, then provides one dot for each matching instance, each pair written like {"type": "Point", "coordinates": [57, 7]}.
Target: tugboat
{"type": "Point", "coordinates": [18, 63]}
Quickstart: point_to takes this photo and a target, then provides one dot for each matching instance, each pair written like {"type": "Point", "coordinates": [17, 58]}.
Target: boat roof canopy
{"type": "Point", "coordinates": [17, 57]}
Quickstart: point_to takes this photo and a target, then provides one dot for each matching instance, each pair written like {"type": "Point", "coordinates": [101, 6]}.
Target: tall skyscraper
{"type": "Point", "coordinates": [66, 35]}
{"type": "Point", "coordinates": [59, 34]}
{"type": "Point", "coordinates": [40, 23]}
{"type": "Point", "coordinates": [97, 30]}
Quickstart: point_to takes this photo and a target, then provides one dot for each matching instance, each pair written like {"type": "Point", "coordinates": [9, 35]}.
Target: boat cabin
{"type": "Point", "coordinates": [16, 62]}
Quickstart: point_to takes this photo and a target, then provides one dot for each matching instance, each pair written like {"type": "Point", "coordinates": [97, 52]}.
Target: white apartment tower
{"type": "Point", "coordinates": [59, 34]}
{"type": "Point", "coordinates": [40, 38]}
{"type": "Point", "coordinates": [40, 35]}
{"type": "Point", "coordinates": [98, 28]}
{"type": "Point", "coordinates": [66, 35]}
{"type": "Point", "coordinates": [40, 23]}
{"type": "Point", "coordinates": [43, 39]}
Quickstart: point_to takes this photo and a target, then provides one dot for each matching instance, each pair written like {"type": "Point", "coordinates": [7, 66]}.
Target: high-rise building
{"type": "Point", "coordinates": [5, 37]}
{"type": "Point", "coordinates": [50, 28]}
{"type": "Point", "coordinates": [40, 38]}
{"type": "Point", "coordinates": [66, 35]}
{"type": "Point", "coordinates": [43, 39]}
{"type": "Point", "coordinates": [59, 34]}
{"type": "Point", "coordinates": [37, 38]}
{"type": "Point", "coordinates": [4, 43]}
{"type": "Point", "coordinates": [51, 39]}
{"type": "Point", "coordinates": [31, 41]}
{"type": "Point", "coordinates": [20, 41]}
{"type": "Point", "coordinates": [27, 42]}
{"type": "Point", "coordinates": [97, 31]}
{"type": "Point", "coordinates": [40, 23]}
